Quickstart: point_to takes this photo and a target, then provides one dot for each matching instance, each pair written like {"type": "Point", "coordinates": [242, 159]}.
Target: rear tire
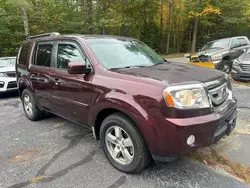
{"type": "Point", "coordinates": [123, 144]}
{"type": "Point", "coordinates": [30, 108]}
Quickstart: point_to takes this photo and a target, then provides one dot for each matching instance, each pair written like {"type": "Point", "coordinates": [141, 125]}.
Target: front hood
{"type": "Point", "coordinates": [244, 59]}
{"type": "Point", "coordinates": [7, 69]}
{"type": "Point", "coordinates": [210, 52]}
{"type": "Point", "coordinates": [174, 73]}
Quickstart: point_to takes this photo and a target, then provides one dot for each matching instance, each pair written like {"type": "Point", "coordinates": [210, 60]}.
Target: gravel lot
{"type": "Point", "coordinates": [55, 153]}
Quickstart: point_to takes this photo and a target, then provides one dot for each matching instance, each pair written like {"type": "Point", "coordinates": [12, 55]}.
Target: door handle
{"type": "Point", "coordinates": [32, 76]}
{"type": "Point", "coordinates": [57, 81]}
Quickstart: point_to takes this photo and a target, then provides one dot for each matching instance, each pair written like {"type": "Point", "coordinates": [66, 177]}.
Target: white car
{"type": "Point", "coordinates": [7, 74]}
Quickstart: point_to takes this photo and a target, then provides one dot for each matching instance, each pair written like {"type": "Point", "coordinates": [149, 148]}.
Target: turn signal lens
{"type": "Point", "coordinates": [169, 99]}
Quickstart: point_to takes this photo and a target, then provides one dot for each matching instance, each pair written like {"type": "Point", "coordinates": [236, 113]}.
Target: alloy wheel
{"type": "Point", "coordinates": [119, 145]}
{"type": "Point", "coordinates": [28, 105]}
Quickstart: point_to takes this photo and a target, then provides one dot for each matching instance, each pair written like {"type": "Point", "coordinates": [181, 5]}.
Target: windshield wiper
{"type": "Point", "coordinates": [128, 67]}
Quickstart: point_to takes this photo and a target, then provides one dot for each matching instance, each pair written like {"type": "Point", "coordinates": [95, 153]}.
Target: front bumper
{"type": "Point", "coordinates": [238, 74]}
{"type": "Point", "coordinates": [170, 139]}
{"type": "Point", "coordinates": [8, 84]}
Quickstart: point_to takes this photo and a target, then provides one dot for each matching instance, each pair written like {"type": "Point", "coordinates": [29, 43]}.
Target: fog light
{"type": "Point", "coordinates": [190, 140]}
{"type": "Point", "coordinates": [1, 84]}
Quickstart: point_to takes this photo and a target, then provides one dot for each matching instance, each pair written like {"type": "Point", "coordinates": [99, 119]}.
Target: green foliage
{"type": "Point", "coordinates": [146, 20]}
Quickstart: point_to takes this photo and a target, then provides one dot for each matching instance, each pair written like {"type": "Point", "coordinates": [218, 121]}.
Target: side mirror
{"type": "Point", "coordinates": [78, 68]}
{"type": "Point", "coordinates": [187, 55]}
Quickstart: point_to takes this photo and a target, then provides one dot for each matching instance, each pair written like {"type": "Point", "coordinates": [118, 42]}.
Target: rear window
{"type": "Point", "coordinates": [43, 55]}
{"type": "Point", "coordinates": [23, 57]}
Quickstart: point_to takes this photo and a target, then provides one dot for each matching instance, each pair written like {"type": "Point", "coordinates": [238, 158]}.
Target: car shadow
{"type": "Point", "coordinates": [9, 95]}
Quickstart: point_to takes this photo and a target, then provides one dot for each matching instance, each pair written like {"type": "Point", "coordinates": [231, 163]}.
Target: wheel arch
{"type": "Point", "coordinates": [22, 84]}
{"type": "Point", "coordinates": [105, 108]}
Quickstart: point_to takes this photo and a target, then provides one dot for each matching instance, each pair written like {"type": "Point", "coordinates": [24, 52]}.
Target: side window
{"type": "Point", "coordinates": [23, 57]}
{"type": "Point", "coordinates": [67, 53]}
{"type": "Point", "coordinates": [235, 43]}
{"type": "Point", "coordinates": [243, 42]}
{"type": "Point", "coordinates": [43, 55]}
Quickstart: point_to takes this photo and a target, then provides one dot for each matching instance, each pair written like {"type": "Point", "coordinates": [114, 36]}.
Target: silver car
{"type": "Point", "coordinates": [7, 74]}
{"type": "Point", "coordinates": [241, 67]}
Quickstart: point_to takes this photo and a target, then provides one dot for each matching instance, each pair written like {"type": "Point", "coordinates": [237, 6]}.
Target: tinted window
{"type": "Point", "coordinates": [68, 53]}
{"type": "Point", "coordinates": [243, 41]}
{"type": "Point", "coordinates": [44, 52]}
{"type": "Point", "coordinates": [23, 57]}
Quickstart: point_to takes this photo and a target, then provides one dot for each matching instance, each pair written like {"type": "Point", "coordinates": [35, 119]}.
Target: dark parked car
{"type": "Point", "coordinates": [241, 67]}
{"type": "Point", "coordinates": [139, 105]}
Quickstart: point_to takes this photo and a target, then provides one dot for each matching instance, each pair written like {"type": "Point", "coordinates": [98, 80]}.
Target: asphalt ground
{"type": "Point", "coordinates": [55, 153]}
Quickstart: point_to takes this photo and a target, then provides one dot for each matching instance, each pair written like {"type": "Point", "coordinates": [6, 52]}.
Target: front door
{"type": "Point", "coordinates": [71, 93]}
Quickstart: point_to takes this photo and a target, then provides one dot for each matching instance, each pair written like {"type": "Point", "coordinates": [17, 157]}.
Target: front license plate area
{"type": "Point", "coordinates": [225, 128]}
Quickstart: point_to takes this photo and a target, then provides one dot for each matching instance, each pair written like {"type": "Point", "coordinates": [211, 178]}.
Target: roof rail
{"type": "Point", "coordinates": [44, 35]}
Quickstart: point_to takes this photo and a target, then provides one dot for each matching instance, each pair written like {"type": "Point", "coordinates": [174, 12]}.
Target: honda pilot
{"type": "Point", "coordinates": [139, 105]}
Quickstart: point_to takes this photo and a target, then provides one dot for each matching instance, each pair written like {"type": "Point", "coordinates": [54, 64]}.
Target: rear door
{"type": "Point", "coordinates": [71, 93]}
{"type": "Point", "coordinates": [40, 73]}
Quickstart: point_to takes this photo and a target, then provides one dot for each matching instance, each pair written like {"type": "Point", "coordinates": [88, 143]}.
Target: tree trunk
{"type": "Point", "coordinates": [169, 26]}
{"type": "Point", "coordinates": [25, 22]}
{"type": "Point", "coordinates": [161, 27]}
{"type": "Point", "coordinates": [196, 22]}
{"type": "Point", "coordinates": [174, 31]}
{"type": "Point", "coordinates": [124, 28]}
{"type": "Point", "coordinates": [90, 16]}
{"type": "Point", "coordinates": [190, 39]}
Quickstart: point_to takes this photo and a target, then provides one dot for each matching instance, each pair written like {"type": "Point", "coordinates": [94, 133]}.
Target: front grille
{"type": "Point", "coordinates": [245, 67]}
{"type": "Point", "coordinates": [12, 85]}
{"type": "Point", "coordinates": [10, 74]}
{"type": "Point", "coordinates": [218, 92]}
{"type": "Point", "coordinates": [204, 58]}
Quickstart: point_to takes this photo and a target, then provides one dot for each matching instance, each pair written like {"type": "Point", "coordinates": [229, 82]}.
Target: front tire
{"type": "Point", "coordinates": [226, 66]}
{"type": "Point", "coordinates": [30, 108]}
{"type": "Point", "coordinates": [123, 145]}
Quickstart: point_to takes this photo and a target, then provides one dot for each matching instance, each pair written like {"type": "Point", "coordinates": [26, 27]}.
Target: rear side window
{"type": "Point", "coordinates": [243, 41]}
{"type": "Point", "coordinates": [43, 55]}
{"type": "Point", "coordinates": [23, 57]}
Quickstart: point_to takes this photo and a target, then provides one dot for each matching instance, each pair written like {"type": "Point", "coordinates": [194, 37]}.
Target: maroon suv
{"type": "Point", "coordinates": [138, 104]}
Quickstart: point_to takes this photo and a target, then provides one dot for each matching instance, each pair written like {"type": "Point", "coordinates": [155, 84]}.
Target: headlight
{"type": "Point", "coordinates": [236, 63]}
{"type": "Point", "coordinates": [2, 74]}
{"type": "Point", "coordinates": [186, 96]}
{"type": "Point", "coordinates": [216, 57]}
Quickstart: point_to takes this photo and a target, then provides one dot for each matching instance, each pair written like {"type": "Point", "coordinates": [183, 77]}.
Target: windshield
{"type": "Point", "coordinates": [7, 62]}
{"type": "Point", "coordinates": [219, 44]}
{"type": "Point", "coordinates": [117, 53]}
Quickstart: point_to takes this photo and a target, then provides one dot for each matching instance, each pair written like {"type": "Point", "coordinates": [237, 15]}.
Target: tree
{"type": "Point", "coordinates": [168, 26]}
